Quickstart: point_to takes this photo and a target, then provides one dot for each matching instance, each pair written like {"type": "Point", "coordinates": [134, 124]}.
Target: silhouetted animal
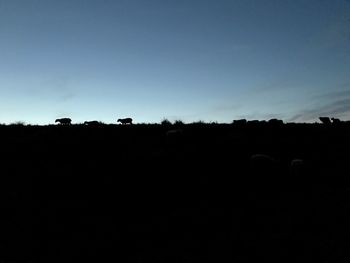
{"type": "Point", "coordinates": [92, 123]}
{"type": "Point", "coordinates": [125, 121]}
{"type": "Point", "coordinates": [275, 122]}
{"type": "Point", "coordinates": [325, 120]}
{"type": "Point", "coordinates": [64, 121]}
{"type": "Point", "coordinates": [336, 120]}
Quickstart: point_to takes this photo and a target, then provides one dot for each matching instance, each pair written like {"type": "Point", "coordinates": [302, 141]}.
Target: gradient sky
{"type": "Point", "coordinates": [210, 60]}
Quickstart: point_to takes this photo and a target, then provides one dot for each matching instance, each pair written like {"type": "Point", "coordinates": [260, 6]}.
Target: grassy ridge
{"type": "Point", "coordinates": [133, 192]}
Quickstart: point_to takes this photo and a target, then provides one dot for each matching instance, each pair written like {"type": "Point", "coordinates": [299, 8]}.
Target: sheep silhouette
{"type": "Point", "coordinates": [125, 121]}
{"type": "Point", "coordinates": [64, 121]}
{"type": "Point", "coordinates": [325, 120]}
{"type": "Point", "coordinates": [275, 122]}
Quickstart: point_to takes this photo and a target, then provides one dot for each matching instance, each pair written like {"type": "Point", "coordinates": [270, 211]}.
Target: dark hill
{"type": "Point", "coordinates": [143, 194]}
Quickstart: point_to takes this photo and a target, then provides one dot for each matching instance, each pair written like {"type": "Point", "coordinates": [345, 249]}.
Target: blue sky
{"type": "Point", "coordinates": [210, 60]}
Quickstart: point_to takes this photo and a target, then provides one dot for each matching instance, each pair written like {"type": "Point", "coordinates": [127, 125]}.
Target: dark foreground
{"type": "Point", "coordinates": [132, 194]}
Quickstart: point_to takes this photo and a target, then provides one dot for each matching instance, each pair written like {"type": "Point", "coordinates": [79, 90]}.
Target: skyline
{"type": "Point", "coordinates": [176, 60]}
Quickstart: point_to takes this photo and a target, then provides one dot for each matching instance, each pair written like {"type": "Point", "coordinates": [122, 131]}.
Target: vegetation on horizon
{"type": "Point", "coordinates": [177, 123]}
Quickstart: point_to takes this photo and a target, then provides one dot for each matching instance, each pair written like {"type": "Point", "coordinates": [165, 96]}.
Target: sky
{"type": "Point", "coordinates": [189, 60]}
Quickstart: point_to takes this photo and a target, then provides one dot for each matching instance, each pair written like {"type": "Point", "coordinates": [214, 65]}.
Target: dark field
{"type": "Point", "coordinates": [130, 193]}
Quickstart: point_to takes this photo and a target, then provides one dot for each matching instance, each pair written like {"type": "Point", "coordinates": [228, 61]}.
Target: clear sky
{"type": "Point", "coordinates": [210, 60]}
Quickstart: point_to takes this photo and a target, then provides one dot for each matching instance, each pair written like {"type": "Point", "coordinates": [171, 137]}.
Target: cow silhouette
{"type": "Point", "coordinates": [125, 121]}
{"type": "Point", "coordinates": [64, 121]}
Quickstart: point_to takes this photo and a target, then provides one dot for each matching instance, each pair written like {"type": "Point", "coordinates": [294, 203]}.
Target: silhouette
{"type": "Point", "coordinates": [325, 120]}
{"type": "Point", "coordinates": [64, 121]}
{"type": "Point", "coordinates": [254, 182]}
{"type": "Point", "coordinates": [254, 122]}
{"type": "Point", "coordinates": [125, 121]}
{"type": "Point", "coordinates": [178, 123]}
{"type": "Point", "coordinates": [336, 120]}
{"type": "Point", "coordinates": [92, 123]}
{"type": "Point", "coordinates": [240, 122]}
{"type": "Point", "coordinates": [166, 122]}
{"type": "Point", "coordinates": [275, 122]}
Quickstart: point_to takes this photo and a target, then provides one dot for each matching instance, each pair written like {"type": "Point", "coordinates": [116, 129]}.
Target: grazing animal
{"type": "Point", "coordinates": [275, 122]}
{"type": "Point", "coordinates": [125, 121]}
{"type": "Point", "coordinates": [335, 120]}
{"type": "Point", "coordinates": [325, 120]}
{"type": "Point", "coordinates": [64, 121]}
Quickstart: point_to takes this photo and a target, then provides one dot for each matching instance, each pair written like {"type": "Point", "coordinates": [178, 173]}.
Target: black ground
{"type": "Point", "coordinates": [130, 193]}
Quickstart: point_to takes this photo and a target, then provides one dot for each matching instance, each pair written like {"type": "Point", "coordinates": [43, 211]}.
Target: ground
{"type": "Point", "coordinates": [131, 193]}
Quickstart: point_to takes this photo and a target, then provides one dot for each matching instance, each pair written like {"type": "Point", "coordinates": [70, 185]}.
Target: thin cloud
{"type": "Point", "coordinates": [336, 94]}
{"type": "Point", "coordinates": [338, 108]}
{"type": "Point", "coordinates": [296, 117]}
